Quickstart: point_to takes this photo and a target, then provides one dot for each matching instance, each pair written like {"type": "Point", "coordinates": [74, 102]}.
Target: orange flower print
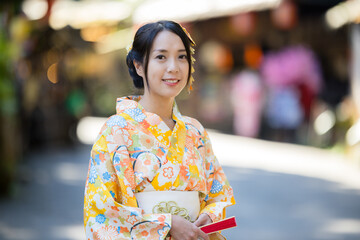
{"type": "Point", "coordinates": [147, 162]}
{"type": "Point", "coordinates": [146, 124]}
{"type": "Point", "coordinates": [189, 143]}
{"type": "Point", "coordinates": [125, 136]}
{"type": "Point", "coordinates": [125, 162]}
{"type": "Point", "coordinates": [168, 172]}
{"type": "Point", "coordinates": [161, 218]}
{"type": "Point", "coordinates": [160, 152]}
{"type": "Point", "coordinates": [107, 233]}
{"type": "Point", "coordinates": [114, 208]}
{"type": "Point", "coordinates": [124, 230]}
{"type": "Point", "coordinates": [131, 219]}
{"type": "Point", "coordinates": [146, 141]}
{"type": "Point", "coordinates": [125, 105]}
{"type": "Point", "coordinates": [102, 157]}
{"type": "Point", "coordinates": [129, 175]}
{"type": "Point", "coordinates": [112, 214]}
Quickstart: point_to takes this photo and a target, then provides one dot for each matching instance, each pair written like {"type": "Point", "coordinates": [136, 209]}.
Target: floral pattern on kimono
{"type": "Point", "coordinates": [136, 151]}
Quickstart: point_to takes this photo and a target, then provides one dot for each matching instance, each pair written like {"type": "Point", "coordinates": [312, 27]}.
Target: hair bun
{"type": "Point", "coordinates": [138, 80]}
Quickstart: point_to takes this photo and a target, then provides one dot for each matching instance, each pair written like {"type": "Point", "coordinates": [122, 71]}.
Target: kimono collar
{"type": "Point", "coordinates": [173, 141]}
{"type": "Point", "coordinates": [130, 104]}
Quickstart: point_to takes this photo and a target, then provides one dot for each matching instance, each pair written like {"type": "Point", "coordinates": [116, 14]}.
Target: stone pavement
{"type": "Point", "coordinates": [282, 192]}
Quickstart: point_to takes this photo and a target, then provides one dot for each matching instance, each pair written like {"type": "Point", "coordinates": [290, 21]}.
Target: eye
{"type": "Point", "coordinates": [161, 57]}
{"type": "Point", "coordinates": [183, 56]}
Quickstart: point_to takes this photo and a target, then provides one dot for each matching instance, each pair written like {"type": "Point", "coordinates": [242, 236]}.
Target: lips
{"type": "Point", "coordinates": [171, 82]}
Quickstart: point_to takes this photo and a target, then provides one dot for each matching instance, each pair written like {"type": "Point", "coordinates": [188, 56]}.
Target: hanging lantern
{"type": "Point", "coordinates": [216, 56]}
{"type": "Point", "coordinates": [285, 16]}
{"type": "Point", "coordinates": [224, 59]}
{"type": "Point", "coordinates": [244, 23]}
{"type": "Point", "coordinates": [253, 55]}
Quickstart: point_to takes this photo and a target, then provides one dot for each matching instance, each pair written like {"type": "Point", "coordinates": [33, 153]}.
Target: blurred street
{"type": "Point", "coordinates": [282, 191]}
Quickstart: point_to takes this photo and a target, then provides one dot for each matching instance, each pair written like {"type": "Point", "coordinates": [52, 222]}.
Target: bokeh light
{"type": "Point", "coordinates": [35, 9]}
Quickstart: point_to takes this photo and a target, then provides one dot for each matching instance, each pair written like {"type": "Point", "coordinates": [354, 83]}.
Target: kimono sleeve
{"type": "Point", "coordinates": [220, 193]}
{"type": "Point", "coordinates": [110, 207]}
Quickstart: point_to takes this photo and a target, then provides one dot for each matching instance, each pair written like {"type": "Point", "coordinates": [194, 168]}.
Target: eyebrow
{"type": "Point", "coordinates": [164, 50]}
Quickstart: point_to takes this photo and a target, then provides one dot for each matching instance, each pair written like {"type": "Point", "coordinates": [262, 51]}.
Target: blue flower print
{"type": "Point", "coordinates": [100, 218]}
{"type": "Point", "coordinates": [206, 198]}
{"type": "Point", "coordinates": [116, 159]}
{"type": "Point", "coordinates": [97, 159]}
{"type": "Point", "coordinates": [92, 173]}
{"type": "Point", "coordinates": [162, 149]}
{"type": "Point", "coordinates": [112, 194]}
{"type": "Point", "coordinates": [188, 174]}
{"type": "Point", "coordinates": [134, 214]}
{"type": "Point", "coordinates": [216, 187]}
{"type": "Point", "coordinates": [139, 176]}
{"type": "Point", "coordinates": [136, 114]}
{"type": "Point", "coordinates": [211, 167]}
{"type": "Point", "coordinates": [107, 176]}
{"type": "Point", "coordinates": [117, 121]}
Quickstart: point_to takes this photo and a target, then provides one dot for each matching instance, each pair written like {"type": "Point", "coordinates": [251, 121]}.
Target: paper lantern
{"type": "Point", "coordinates": [285, 16]}
{"type": "Point", "coordinates": [224, 59]}
{"type": "Point", "coordinates": [243, 24]}
{"type": "Point", "coordinates": [253, 55]}
{"type": "Point", "coordinates": [214, 55]}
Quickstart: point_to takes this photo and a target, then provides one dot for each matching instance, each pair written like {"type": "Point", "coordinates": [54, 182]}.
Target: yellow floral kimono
{"type": "Point", "coordinates": [136, 151]}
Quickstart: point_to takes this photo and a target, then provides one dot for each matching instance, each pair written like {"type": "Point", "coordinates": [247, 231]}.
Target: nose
{"type": "Point", "coordinates": [173, 65]}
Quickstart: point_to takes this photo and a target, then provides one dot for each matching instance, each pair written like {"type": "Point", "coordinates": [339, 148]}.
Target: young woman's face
{"type": "Point", "coordinates": [168, 66]}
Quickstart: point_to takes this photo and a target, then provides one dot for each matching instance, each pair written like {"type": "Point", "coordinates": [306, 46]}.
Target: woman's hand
{"type": "Point", "coordinates": [202, 220]}
{"type": "Point", "coordinates": [182, 229]}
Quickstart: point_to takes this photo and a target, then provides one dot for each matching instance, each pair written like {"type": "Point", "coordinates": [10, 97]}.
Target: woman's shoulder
{"type": "Point", "coordinates": [194, 123]}
{"type": "Point", "coordinates": [116, 120]}
{"type": "Point", "coordinates": [127, 103]}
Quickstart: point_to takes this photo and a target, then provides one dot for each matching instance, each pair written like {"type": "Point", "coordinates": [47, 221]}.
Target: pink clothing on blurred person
{"type": "Point", "coordinates": [247, 103]}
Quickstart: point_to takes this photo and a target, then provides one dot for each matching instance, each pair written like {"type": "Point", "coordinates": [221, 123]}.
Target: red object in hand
{"type": "Point", "coordinates": [220, 225]}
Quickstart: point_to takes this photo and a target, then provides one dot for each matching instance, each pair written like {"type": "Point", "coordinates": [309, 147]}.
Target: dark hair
{"type": "Point", "coordinates": [143, 42]}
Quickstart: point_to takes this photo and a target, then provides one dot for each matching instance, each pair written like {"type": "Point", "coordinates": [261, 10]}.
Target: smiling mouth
{"type": "Point", "coordinates": [171, 80]}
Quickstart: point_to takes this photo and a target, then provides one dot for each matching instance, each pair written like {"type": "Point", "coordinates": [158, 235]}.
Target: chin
{"type": "Point", "coordinates": [171, 94]}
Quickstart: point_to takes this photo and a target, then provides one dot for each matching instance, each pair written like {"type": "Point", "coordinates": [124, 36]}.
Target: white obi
{"type": "Point", "coordinates": [183, 203]}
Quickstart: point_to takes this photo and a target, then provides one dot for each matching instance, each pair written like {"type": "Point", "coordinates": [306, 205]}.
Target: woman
{"type": "Point", "coordinates": [152, 173]}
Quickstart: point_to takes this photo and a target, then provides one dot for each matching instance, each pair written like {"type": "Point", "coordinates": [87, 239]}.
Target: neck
{"type": "Point", "coordinates": [160, 106]}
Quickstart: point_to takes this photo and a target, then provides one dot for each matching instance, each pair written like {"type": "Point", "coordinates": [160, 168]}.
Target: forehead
{"type": "Point", "coordinates": [167, 40]}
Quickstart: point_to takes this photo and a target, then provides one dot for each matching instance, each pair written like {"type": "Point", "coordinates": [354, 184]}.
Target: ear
{"type": "Point", "coordinates": [139, 69]}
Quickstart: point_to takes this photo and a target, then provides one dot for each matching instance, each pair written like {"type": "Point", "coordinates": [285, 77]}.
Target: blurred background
{"type": "Point", "coordinates": [277, 83]}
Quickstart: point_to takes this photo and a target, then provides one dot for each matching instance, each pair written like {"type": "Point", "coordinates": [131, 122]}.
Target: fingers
{"type": "Point", "coordinates": [203, 235]}
{"type": "Point", "coordinates": [184, 230]}
{"type": "Point", "coordinates": [202, 220]}
{"type": "Point", "coordinates": [198, 222]}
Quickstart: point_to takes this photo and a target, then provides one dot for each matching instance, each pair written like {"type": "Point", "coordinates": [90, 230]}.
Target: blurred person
{"type": "Point", "coordinates": [247, 94]}
{"type": "Point", "coordinates": [247, 100]}
{"type": "Point", "coordinates": [152, 171]}
{"type": "Point", "coordinates": [284, 113]}
{"type": "Point", "coordinates": [293, 78]}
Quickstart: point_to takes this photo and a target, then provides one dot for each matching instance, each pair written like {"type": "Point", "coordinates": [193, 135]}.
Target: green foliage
{"type": "Point", "coordinates": [7, 91]}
